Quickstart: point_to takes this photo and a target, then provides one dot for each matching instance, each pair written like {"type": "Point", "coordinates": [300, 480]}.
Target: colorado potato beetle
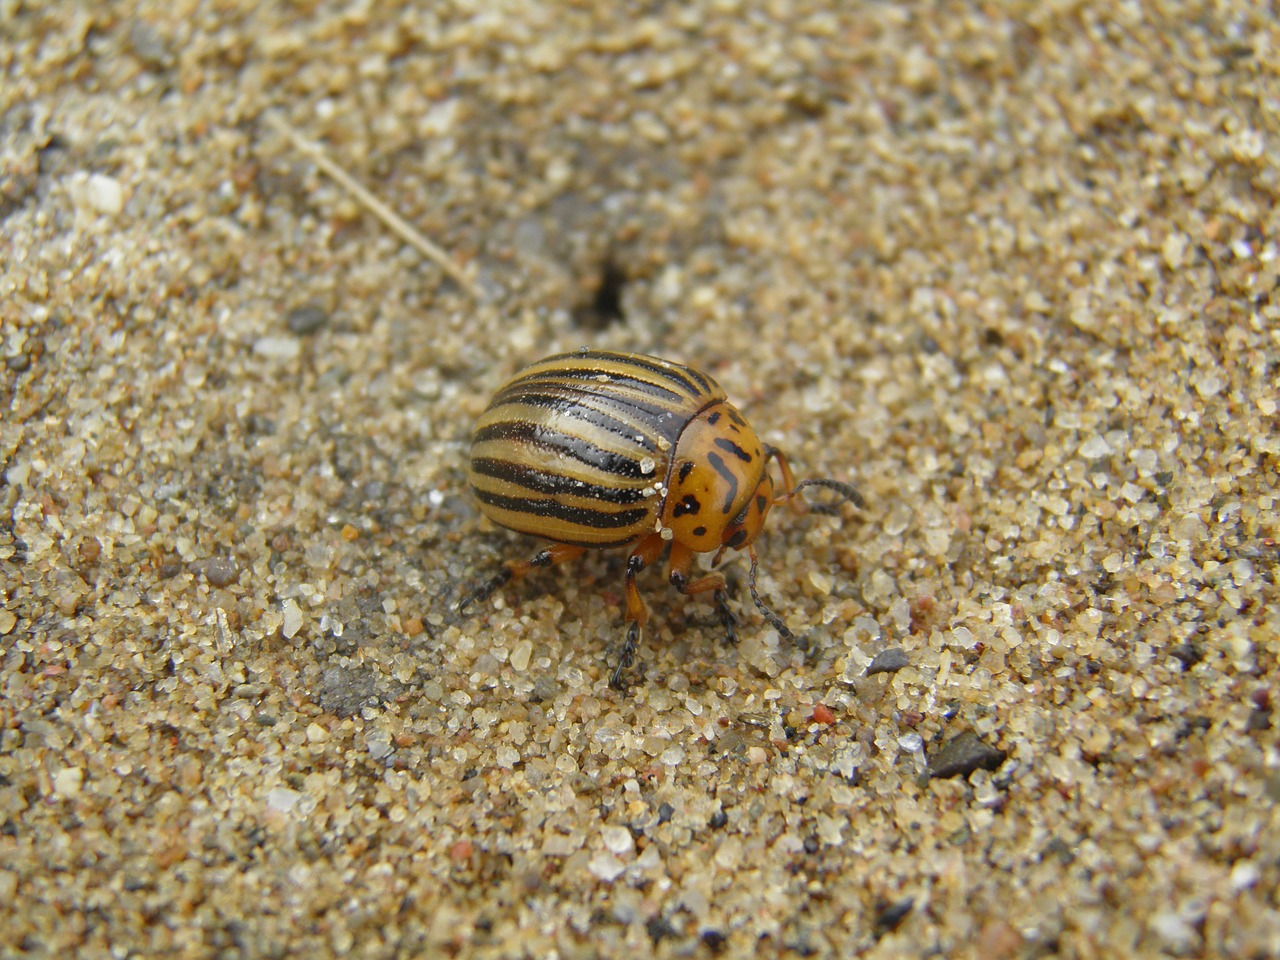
{"type": "Point", "coordinates": [596, 449]}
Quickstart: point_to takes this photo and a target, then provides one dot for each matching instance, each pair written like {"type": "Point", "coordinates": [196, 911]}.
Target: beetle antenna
{"type": "Point", "coordinates": [848, 494]}
{"type": "Point", "coordinates": [770, 617]}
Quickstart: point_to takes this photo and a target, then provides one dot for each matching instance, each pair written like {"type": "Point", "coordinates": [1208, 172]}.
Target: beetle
{"type": "Point", "coordinates": [596, 449]}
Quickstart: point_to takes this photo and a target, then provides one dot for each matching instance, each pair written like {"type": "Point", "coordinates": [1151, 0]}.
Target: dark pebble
{"type": "Point", "coordinates": [1188, 653]}
{"type": "Point", "coordinates": [1258, 721]}
{"type": "Point", "coordinates": [963, 754]}
{"type": "Point", "coordinates": [714, 940]}
{"type": "Point", "coordinates": [306, 319]}
{"type": "Point", "coordinates": [889, 661]}
{"type": "Point", "coordinates": [219, 571]}
{"type": "Point", "coordinates": [148, 46]}
{"type": "Point", "coordinates": [890, 915]}
{"type": "Point", "coordinates": [544, 688]}
{"type": "Point", "coordinates": [659, 928]}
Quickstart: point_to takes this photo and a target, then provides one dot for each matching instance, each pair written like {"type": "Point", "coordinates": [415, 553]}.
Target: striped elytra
{"type": "Point", "coordinates": [576, 448]}
{"type": "Point", "coordinates": [596, 449]}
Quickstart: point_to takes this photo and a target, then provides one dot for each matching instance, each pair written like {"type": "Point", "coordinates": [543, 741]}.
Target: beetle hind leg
{"type": "Point", "coordinates": [713, 583]}
{"type": "Point", "coordinates": [515, 569]}
{"type": "Point", "coordinates": [626, 656]}
{"type": "Point", "coordinates": [644, 554]}
{"type": "Point", "coordinates": [728, 619]}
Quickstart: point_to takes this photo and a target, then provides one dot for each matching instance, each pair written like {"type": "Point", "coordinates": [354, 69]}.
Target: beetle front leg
{"type": "Point", "coordinates": [713, 583]}
{"type": "Point", "coordinates": [515, 569]}
{"type": "Point", "coordinates": [647, 551]}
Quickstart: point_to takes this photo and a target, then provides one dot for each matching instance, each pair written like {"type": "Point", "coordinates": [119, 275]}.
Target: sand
{"type": "Point", "coordinates": [1011, 270]}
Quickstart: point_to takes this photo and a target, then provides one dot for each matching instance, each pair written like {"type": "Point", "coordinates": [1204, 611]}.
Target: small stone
{"type": "Point", "coordinates": [67, 782]}
{"type": "Point", "coordinates": [506, 756]}
{"type": "Point", "coordinates": [282, 799]}
{"type": "Point", "coordinates": [277, 348]}
{"type": "Point", "coordinates": [520, 655]}
{"type": "Point", "coordinates": [890, 915]}
{"type": "Point", "coordinates": [822, 714]}
{"type": "Point", "coordinates": [1095, 448]}
{"type": "Point", "coordinates": [292, 619]}
{"type": "Point", "coordinates": [1173, 932]}
{"type": "Point", "coordinates": [618, 841]}
{"type": "Point", "coordinates": [306, 319]}
{"type": "Point", "coordinates": [148, 45]}
{"type": "Point", "coordinates": [105, 194]}
{"type": "Point", "coordinates": [963, 754]}
{"type": "Point", "coordinates": [605, 866]}
{"type": "Point", "coordinates": [1245, 874]}
{"type": "Point", "coordinates": [219, 571]}
{"type": "Point", "coordinates": [889, 661]}
{"type": "Point", "coordinates": [8, 620]}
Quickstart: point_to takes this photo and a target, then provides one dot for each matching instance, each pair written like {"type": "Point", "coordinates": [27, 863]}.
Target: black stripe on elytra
{"type": "Point", "coordinates": [688, 380]}
{"type": "Point", "coordinates": [554, 510]}
{"type": "Point", "coordinates": [730, 447]}
{"type": "Point", "coordinates": [722, 468]}
{"type": "Point", "coordinates": [591, 383]}
{"type": "Point", "coordinates": [704, 382]}
{"type": "Point", "coordinates": [685, 469]}
{"type": "Point", "coordinates": [534, 435]}
{"type": "Point", "coordinates": [552, 484]}
{"type": "Point", "coordinates": [572, 408]}
{"type": "Point", "coordinates": [598, 409]}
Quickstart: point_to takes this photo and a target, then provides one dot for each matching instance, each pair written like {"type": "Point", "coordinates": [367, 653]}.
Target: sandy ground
{"type": "Point", "coordinates": [1010, 269]}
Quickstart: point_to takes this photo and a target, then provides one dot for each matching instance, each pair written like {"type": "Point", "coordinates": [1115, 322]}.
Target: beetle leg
{"type": "Point", "coordinates": [713, 583]}
{"type": "Point", "coordinates": [798, 504]}
{"type": "Point", "coordinates": [515, 569]}
{"type": "Point", "coordinates": [647, 551]}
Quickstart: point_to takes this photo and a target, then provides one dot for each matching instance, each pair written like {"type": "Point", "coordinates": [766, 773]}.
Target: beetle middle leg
{"type": "Point", "coordinates": [515, 569]}
{"type": "Point", "coordinates": [647, 551]}
{"type": "Point", "coordinates": [714, 583]}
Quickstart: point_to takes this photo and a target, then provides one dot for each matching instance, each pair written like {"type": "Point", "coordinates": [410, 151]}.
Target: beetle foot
{"type": "Point", "coordinates": [728, 619]}
{"type": "Point", "coordinates": [484, 590]}
{"type": "Point", "coordinates": [626, 657]}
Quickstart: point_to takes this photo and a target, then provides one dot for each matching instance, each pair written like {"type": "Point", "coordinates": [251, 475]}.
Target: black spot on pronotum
{"type": "Point", "coordinates": [699, 531]}
{"type": "Point", "coordinates": [688, 505]}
